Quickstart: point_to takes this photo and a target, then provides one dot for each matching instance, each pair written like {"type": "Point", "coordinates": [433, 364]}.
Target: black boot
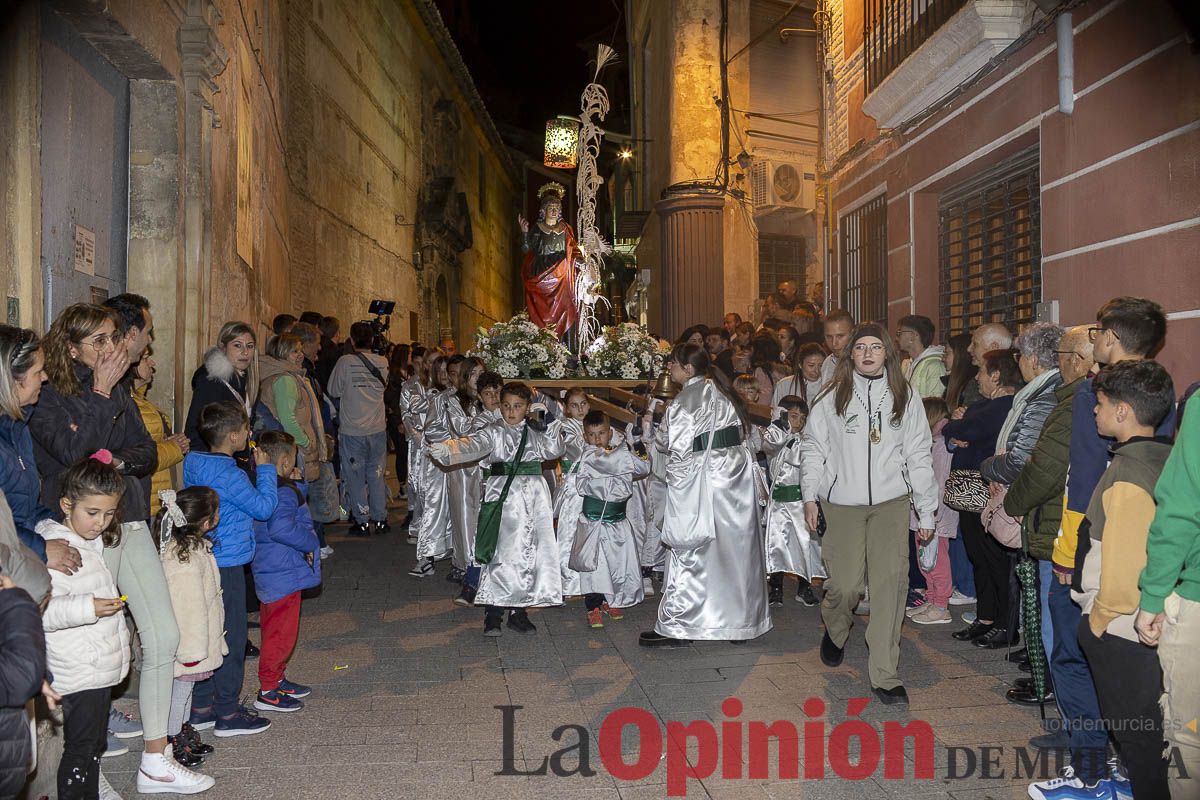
{"type": "Point", "coordinates": [518, 620]}
{"type": "Point", "coordinates": [492, 617]}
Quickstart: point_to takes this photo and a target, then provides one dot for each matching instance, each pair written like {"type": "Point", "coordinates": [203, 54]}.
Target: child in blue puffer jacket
{"type": "Point", "coordinates": [226, 430]}
{"type": "Point", "coordinates": [286, 562]}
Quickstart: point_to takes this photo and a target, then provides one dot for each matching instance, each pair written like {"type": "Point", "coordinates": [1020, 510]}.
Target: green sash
{"type": "Point", "coordinates": [726, 437]}
{"type": "Point", "coordinates": [786, 494]}
{"type": "Point", "coordinates": [609, 511]}
{"type": "Point", "coordinates": [487, 532]}
{"type": "Point", "coordinates": [508, 468]}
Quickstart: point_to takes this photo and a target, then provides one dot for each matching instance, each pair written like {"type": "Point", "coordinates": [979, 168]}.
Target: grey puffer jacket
{"type": "Point", "coordinates": [1005, 468]}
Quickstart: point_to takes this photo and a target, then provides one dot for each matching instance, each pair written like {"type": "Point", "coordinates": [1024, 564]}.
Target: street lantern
{"type": "Point", "coordinates": [562, 143]}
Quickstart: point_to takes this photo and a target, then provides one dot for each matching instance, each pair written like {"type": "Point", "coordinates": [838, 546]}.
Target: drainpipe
{"type": "Point", "coordinates": [1066, 63]}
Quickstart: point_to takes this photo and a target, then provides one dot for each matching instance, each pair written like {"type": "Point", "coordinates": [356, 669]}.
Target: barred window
{"type": "Point", "coordinates": [862, 251]}
{"type": "Point", "coordinates": [989, 232]}
{"type": "Point", "coordinates": [780, 258]}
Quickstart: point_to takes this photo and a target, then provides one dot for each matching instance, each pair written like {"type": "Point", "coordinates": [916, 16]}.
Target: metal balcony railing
{"type": "Point", "coordinates": [895, 29]}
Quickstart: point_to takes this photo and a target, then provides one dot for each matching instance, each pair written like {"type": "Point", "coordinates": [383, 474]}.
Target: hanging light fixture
{"type": "Point", "coordinates": [562, 143]}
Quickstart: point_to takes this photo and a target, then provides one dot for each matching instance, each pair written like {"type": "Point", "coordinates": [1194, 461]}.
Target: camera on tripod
{"type": "Point", "coordinates": [382, 311]}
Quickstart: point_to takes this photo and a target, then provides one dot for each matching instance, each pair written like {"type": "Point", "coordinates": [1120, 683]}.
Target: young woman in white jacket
{"type": "Point", "coordinates": [87, 643]}
{"type": "Point", "coordinates": [866, 459]}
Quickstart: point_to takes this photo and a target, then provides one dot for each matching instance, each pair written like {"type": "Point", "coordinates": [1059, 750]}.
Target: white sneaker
{"type": "Point", "coordinates": [647, 586]}
{"type": "Point", "coordinates": [931, 615]}
{"type": "Point", "coordinates": [863, 609]}
{"type": "Point", "coordinates": [160, 774]}
{"type": "Point", "coordinates": [957, 598]}
{"type": "Point", "coordinates": [1068, 787]}
{"type": "Point", "coordinates": [422, 569]}
{"type": "Point", "coordinates": [326, 552]}
{"type": "Point", "coordinates": [412, 539]}
{"type": "Point", "coordinates": [106, 790]}
{"type": "Point", "coordinates": [969, 617]}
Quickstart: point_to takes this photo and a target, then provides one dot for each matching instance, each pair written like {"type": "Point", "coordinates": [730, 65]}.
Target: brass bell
{"type": "Point", "coordinates": [664, 387]}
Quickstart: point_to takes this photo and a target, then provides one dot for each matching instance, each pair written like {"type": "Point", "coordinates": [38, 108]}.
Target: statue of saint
{"type": "Point", "coordinates": [549, 268]}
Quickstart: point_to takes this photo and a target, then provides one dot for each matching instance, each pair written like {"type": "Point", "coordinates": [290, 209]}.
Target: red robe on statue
{"type": "Point", "coordinates": [550, 296]}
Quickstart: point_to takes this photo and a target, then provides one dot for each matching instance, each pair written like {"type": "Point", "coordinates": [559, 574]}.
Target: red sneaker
{"type": "Point", "coordinates": [613, 613]}
{"type": "Point", "coordinates": [594, 619]}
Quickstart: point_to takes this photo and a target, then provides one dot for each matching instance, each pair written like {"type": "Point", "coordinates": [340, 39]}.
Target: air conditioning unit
{"type": "Point", "coordinates": [779, 184]}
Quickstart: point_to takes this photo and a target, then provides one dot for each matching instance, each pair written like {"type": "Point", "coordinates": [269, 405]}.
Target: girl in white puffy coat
{"type": "Point", "coordinates": [87, 642]}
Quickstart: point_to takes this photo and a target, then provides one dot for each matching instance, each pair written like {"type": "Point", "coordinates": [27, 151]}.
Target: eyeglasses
{"type": "Point", "coordinates": [100, 342]}
{"type": "Point", "coordinates": [1095, 331]}
{"type": "Point", "coordinates": [872, 348]}
{"type": "Point", "coordinates": [1069, 353]}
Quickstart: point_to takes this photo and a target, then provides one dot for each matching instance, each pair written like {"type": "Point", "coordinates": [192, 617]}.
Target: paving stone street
{"type": "Point", "coordinates": [405, 689]}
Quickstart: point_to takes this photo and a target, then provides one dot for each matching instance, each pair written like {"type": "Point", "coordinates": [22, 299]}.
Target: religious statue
{"type": "Point", "coordinates": [549, 268]}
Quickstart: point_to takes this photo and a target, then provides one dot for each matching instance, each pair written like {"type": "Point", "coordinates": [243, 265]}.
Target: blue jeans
{"type": "Point", "coordinates": [1045, 579]}
{"type": "Point", "coordinates": [223, 690]}
{"type": "Point", "coordinates": [363, 459]}
{"type": "Point", "coordinates": [1074, 689]}
{"type": "Point", "coordinates": [960, 567]}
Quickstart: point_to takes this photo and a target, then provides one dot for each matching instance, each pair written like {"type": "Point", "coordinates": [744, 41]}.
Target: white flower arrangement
{"type": "Point", "coordinates": [626, 352]}
{"type": "Point", "coordinates": [520, 349]}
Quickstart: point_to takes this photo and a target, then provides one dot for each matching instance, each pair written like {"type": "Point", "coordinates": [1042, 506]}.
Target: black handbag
{"type": "Point", "coordinates": [487, 532]}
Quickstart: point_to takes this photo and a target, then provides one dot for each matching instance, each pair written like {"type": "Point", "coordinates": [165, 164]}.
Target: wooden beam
{"type": "Point", "coordinates": [615, 412]}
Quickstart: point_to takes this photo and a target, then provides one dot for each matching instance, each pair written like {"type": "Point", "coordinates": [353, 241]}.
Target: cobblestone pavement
{"type": "Point", "coordinates": [405, 689]}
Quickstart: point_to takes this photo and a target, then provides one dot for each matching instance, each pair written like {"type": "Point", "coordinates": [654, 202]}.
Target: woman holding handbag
{"type": "Point", "coordinates": [715, 587]}
{"type": "Point", "coordinates": [971, 433]}
{"type": "Point", "coordinates": [866, 456]}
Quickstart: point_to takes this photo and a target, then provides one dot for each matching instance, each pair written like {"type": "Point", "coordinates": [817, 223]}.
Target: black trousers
{"type": "Point", "coordinates": [85, 735]}
{"type": "Point", "coordinates": [593, 600]}
{"type": "Point", "coordinates": [1128, 682]}
{"type": "Point", "coordinates": [993, 565]}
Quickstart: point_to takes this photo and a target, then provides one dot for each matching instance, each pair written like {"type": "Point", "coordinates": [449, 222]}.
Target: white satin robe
{"type": "Point", "coordinates": [435, 535]}
{"type": "Point", "coordinates": [618, 574]}
{"type": "Point", "coordinates": [790, 545]}
{"type": "Point", "coordinates": [567, 501]}
{"type": "Point", "coordinates": [525, 571]}
{"type": "Point", "coordinates": [717, 591]}
{"type": "Point", "coordinates": [462, 482]}
{"type": "Point", "coordinates": [413, 405]}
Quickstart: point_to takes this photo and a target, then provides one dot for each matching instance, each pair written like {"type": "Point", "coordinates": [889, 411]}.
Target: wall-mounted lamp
{"type": "Point", "coordinates": [423, 257]}
{"type": "Point", "coordinates": [626, 154]}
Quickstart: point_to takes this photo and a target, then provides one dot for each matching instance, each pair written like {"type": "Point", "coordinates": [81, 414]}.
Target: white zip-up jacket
{"type": "Point", "coordinates": [83, 651]}
{"type": "Point", "coordinates": [842, 466]}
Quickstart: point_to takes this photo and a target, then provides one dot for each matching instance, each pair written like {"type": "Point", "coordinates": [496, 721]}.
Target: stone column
{"type": "Point", "coordinates": [692, 261]}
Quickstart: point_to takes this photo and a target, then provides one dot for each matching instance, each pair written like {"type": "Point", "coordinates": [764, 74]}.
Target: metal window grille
{"type": "Point", "coordinates": [990, 262]}
{"type": "Point", "coordinates": [894, 29]}
{"type": "Point", "coordinates": [780, 258]}
{"type": "Point", "coordinates": [862, 249]}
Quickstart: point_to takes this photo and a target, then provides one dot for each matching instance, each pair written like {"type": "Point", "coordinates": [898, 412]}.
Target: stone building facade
{"type": "Point", "coordinates": [1011, 161]}
{"type": "Point", "coordinates": [720, 232]}
{"type": "Point", "coordinates": [233, 159]}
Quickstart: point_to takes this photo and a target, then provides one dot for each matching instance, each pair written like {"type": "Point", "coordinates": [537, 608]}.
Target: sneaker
{"type": "Point", "coordinates": [192, 738]}
{"type": "Point", "coordinates": [492, 627]}
{"type": "Point", "coordinates": [912, 610]}
{"type": "Point", "coordinates": [115, 747]}
{"type": "Point", "coordinates": [252, 650]}
{"type": "Point", "coordinates": [276, 700]}
{"type": "Point", "coordinates": [202, 719]}
{"type": "Point", "coordinates": [456, 575]}
{"type": "Point", "coordinates": [775, 596]}
{"type": "Point", "coordinates": [915, 599]}
{"type": "Point", "coordinates": [807, 596]}
{"type": "Point", "coordinates": [296, 690]}
{"type": "Point", "coordinates": [380, 528]}
{"type": "Point", "coordinates": [613, 613]}
{"type": "Point", "coordinates": [969, 616]}
{"type": "Point", "coordinates": [243, 723]}
{"type": "Point", "coordinates": [160, 775]}
{"type": "Point", "coordinates": [183, 754]}
{"type": "Point", "coordinates": [122, 725]}
{"type": "Point", "coordinates": [466, 597]}
{"type": "Point", "coordinates": [930, 614]}
{"type": "Point", "coordinates": [863, 609]}
{"type": "Point", "coordinates": [595, 619]}
{"type": "Point", "coordinates": [358, 529]}
{"type": "Point", "coordinates": [106, 791]}
{"type": "Point", "coordinates": [957, 598]}
{"type": "Point", "coordinates": [326, 552]}
{"type": "Point", "coordinates": [647, 586]}
{"type": "Point", "coordinates": [1120, 781]}
{"type": "Point", "coordinates": [519, 621]}
{"type": "Point", "coordinates": [422, 569]}
{"type": "Point", "coordinates": [412, 538]}
{"type": "Point", "coordinates": [1068, 787]}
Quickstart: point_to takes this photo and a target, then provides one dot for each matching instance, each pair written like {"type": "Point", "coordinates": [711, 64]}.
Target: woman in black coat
{"type": "Point", "coordinates": [229, 372]}
{"type": "Point", "coordinates": [86, 407]}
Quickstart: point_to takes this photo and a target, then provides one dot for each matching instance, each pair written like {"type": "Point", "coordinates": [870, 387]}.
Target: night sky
{"type": "Point", "coordinates": [530, 59]}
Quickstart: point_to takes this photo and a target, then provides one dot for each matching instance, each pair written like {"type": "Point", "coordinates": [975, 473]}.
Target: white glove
{"type": "Point", "coordinates": [536, 407]}
{"type": "Point", "coordinates": [439, 451]}
{"type": "Point", "coordinates": [780, 412]}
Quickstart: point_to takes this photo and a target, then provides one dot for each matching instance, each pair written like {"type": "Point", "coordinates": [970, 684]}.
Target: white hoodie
{"type": "Point", "coordinates": [83, 651]}
{"type": "Point", "coordinates": [842, 466]}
